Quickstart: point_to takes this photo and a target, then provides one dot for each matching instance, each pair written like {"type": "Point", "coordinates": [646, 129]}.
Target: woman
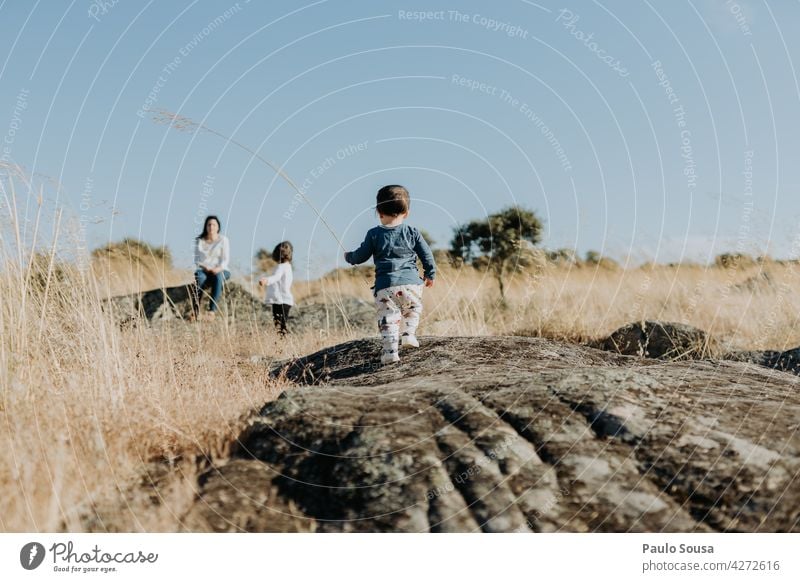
{"type": "Point", "coordinates": [211, 257]}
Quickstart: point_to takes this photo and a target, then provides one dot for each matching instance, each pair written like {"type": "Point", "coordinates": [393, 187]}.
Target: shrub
{"type": "Point", "coordinates": [133, 250]}
{"type": "Point", "coordinates": [263, 261]}
{"type": "Point", "coordinates": [595, 259]}
{"type": "Point", "coordinates": [734, 261]}
{"type": "Point", "coordinates": [563, 257]}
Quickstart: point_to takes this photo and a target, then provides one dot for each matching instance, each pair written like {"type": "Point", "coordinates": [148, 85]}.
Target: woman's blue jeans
{"type": "Point", "coordinates": [215, 282]}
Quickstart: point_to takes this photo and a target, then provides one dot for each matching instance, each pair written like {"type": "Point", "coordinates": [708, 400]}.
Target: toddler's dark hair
{"type": "Point", "coordinates": [283, 252]}
{"type": "Point", "coordinates": [393, 200]}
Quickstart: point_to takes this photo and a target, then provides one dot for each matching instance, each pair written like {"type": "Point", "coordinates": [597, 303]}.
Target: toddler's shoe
{"type": "Point", "coordinates": [409, 341]}
{"type": "Point", "coordinates": [390, 358]}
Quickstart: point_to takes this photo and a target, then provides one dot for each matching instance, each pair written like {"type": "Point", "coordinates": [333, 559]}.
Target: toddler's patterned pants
{"type": "Point", "coordinates": [398, 306]}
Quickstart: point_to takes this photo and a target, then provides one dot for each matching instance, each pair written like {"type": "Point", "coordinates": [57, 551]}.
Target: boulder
{"type": "Point", "coordinates": [173, 304]}
{"type": "Point", "coordinates": [510, 434]}
{"type": "Point", "coordinates": [334, 312]}
{"type": "Point", "coordinates": [661, 340]}
{"type": "Point", "coordinates": [787, 360]}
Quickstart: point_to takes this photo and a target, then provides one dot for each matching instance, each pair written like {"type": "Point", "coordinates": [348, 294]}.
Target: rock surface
{"type": "Point", "coordinates": [319, 312]}
{"type": "Point", "coordinates": [503, 434]}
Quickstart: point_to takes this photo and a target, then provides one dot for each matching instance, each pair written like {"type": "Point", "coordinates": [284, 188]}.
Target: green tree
{"type": "Point", "coordinates": [501, 241]}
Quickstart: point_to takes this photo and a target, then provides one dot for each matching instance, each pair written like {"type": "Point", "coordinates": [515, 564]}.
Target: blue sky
{"type": "Point", "coordinates": [660, 130]}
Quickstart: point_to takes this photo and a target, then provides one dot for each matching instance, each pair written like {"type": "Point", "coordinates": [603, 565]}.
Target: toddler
{"type": "Point", "coordinates": [394, 247]}
{"type": "Point", "coordinates": [279, 286]}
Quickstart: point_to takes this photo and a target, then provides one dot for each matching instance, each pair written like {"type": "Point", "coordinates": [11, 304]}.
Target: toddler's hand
{"type": "Point", "coordinates": [261, 282]}
{"type": "Point", "coordinates": [428, 282]}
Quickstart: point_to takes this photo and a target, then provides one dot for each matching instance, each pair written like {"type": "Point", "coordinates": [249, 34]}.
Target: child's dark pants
{"type": "Point", "coordinates": [280, 314]}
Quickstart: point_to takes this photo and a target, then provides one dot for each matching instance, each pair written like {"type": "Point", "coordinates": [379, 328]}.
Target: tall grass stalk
{"type": "Point", "coordinates": [86, 406]}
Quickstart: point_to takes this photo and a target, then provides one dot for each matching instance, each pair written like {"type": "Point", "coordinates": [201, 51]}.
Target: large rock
{"type": "Point", "coordinates": [662, 340]}
{"type": "Point", "coordinates": [787, 360]}
{"type": "Point", "coordinates": [333, 312]}
{"type": "Point", "coordinates": [323, 313]}
{"type": "Point", "coordinates": [513, 434]}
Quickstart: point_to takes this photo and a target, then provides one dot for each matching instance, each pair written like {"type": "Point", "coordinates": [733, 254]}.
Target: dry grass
{"type": "Point", "coordinates": [131, 266]}
{"type": "Point", "coordinates": [751, 307]}
{"type": "Point", "coordinates": [86, 406]}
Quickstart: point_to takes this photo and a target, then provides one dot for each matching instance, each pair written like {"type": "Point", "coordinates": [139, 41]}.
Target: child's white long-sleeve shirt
{"type": "Point", "coordinates": [279, 285]}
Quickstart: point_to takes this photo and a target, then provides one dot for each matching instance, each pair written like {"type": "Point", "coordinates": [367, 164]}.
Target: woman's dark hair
{"type": "Point", "coordinates": [283, 252]}
{"type": "Point", "coordinates": [210, 217]}
{"type": "Point", "coordinates": [393, 200]}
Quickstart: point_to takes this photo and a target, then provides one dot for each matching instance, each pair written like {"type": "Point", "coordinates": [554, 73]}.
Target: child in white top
{"type": "Point", "coordinates": [279, 286]}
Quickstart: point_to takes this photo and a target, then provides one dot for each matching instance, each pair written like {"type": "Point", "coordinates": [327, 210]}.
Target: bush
{"type": "Point", "coordinates": [133, 250]}
{"type": "Point", "coordinates": [764, 260]}
{"type": "Point", "coordinates": [734, 261]}
{"type": "Point", "coordinates": [563, 257]}
{"type": "Point", "coordinates": [44, 270]}
{"type": "Point", "coordinates": [595, 259]}
{"type": "Point", "coordinates": [264, 263]}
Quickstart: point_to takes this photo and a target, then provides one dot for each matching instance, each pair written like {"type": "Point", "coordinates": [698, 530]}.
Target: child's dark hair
{"type": "Point", "coordinates": [393, 200]}
{"type": "Point", "coordinates": [283, 252]}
